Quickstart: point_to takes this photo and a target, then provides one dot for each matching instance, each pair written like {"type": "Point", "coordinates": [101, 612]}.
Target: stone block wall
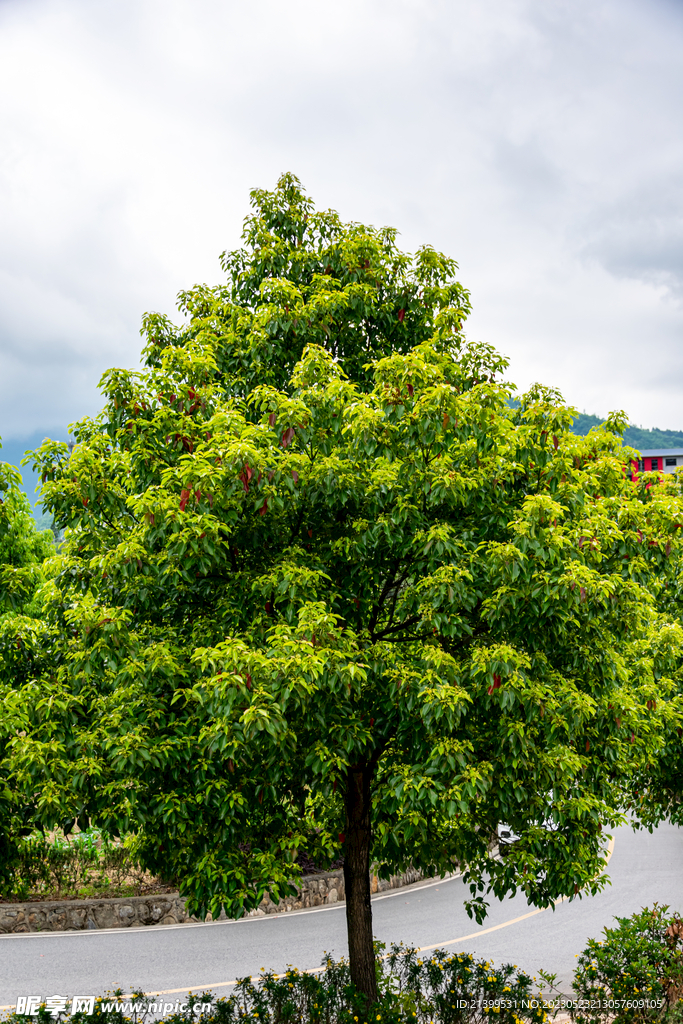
{"type": "Point", "coordinates": [142, 911]}
{"type": "Point", "coordinates": [80, 915]}
{"type": "Point", "coordinates": [326, 888]}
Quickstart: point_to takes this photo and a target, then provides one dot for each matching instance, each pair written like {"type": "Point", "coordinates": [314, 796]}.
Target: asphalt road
{"type": "Point", "coordinates": [644, 868]}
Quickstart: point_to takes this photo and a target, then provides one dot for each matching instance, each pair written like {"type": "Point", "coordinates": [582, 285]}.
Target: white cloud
{"type": "Point", "coordinates": [537, 141]}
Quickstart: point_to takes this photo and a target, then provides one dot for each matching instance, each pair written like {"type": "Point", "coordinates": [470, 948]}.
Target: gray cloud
{"type": "Point", "coordinates": [537, 142]}
{"type": "Point", "coordinates": [641, 235]}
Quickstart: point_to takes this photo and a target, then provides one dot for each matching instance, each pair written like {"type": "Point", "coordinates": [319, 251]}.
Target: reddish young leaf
{"type": "Point", "coordinates": [184, 496]}
{"type": "Point", "coordinates": [401, 315]}
{"type": "Point", "coordinates": [245, 476]}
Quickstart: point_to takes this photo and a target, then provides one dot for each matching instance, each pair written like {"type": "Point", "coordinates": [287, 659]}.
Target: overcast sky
{"type": "Point", "coordinates": [537, 141]}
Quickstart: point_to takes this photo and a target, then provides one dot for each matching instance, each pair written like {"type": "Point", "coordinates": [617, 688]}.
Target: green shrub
{"type": "Point", "coordinates": [635, 973]}
{"type": "Point", "coordinates": [85, 863]}
{"type": "Point", "coordinates": [440, 989]}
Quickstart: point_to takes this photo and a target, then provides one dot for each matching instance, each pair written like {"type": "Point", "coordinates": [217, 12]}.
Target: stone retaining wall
{"type": "Point", "coordinates": [326, 888]}
{"type": "Point", "coordinates": [80, 915]}
{"type": "Point", "coordinates": [142, 911]}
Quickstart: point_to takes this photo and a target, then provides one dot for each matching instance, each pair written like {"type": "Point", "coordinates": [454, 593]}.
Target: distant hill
{"type": "Point", "coordinates": [637, 437]}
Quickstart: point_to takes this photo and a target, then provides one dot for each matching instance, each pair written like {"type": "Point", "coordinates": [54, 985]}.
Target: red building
{"type": "Point", "coordinates": [664, 460]}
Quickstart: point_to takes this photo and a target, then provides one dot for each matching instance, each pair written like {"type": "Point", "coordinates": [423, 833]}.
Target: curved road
{"type": "Point", "coordinates": [644, 868]}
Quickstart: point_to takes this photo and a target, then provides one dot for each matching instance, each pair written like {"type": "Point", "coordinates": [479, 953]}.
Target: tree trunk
{"type": "Point", "coordinates": [357, 881]}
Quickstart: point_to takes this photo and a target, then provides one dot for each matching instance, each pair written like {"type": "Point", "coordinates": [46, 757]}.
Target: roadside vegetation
{"type": "Point", "coordinates": [83, 865]}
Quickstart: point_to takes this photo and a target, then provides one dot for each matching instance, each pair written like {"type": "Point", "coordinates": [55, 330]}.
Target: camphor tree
{"type": "Point", "coordinates": [324, 591]}
{"type": "Point", "coordinates": [22, 551]}
{"type": "Point", "coordinates": [23, 548]}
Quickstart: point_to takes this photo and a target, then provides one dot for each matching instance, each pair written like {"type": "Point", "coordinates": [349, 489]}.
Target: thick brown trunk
{"type": "Point", "coordinates": [357, 881]}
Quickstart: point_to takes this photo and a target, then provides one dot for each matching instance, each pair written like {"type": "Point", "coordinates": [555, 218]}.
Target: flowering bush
{"type": "Point", "coordinates": [635, 973]}
{"type": "Point", "coordinates": [440, 989]}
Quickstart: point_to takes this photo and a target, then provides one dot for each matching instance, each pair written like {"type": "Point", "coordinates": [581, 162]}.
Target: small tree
{"type": "Point", "coordinates": [23, 548]}
{"type": "Point", "coordinates": [22, 551]}
{"type": "Point", "coordinates": [324, 590]}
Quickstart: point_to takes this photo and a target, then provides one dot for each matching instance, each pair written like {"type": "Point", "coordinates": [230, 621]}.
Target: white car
{"type": "Point", "coordinates": [506, 837]}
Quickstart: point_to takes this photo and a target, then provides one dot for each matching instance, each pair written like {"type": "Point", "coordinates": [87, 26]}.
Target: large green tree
{"type": "Point", "coordinates": [324, 590]}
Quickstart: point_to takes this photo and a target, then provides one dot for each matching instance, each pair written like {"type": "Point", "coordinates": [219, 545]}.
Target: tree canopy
{"type": "Point", "coordinates": [22, 551]}
{"type": "Point", "coordinates": [22, 547]}
{"type": "Point", "coordinates": [323, 590]}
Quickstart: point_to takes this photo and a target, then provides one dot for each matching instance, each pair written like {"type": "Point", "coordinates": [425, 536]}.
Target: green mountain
{"type": "Point", "coordinates": [637, 437]}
